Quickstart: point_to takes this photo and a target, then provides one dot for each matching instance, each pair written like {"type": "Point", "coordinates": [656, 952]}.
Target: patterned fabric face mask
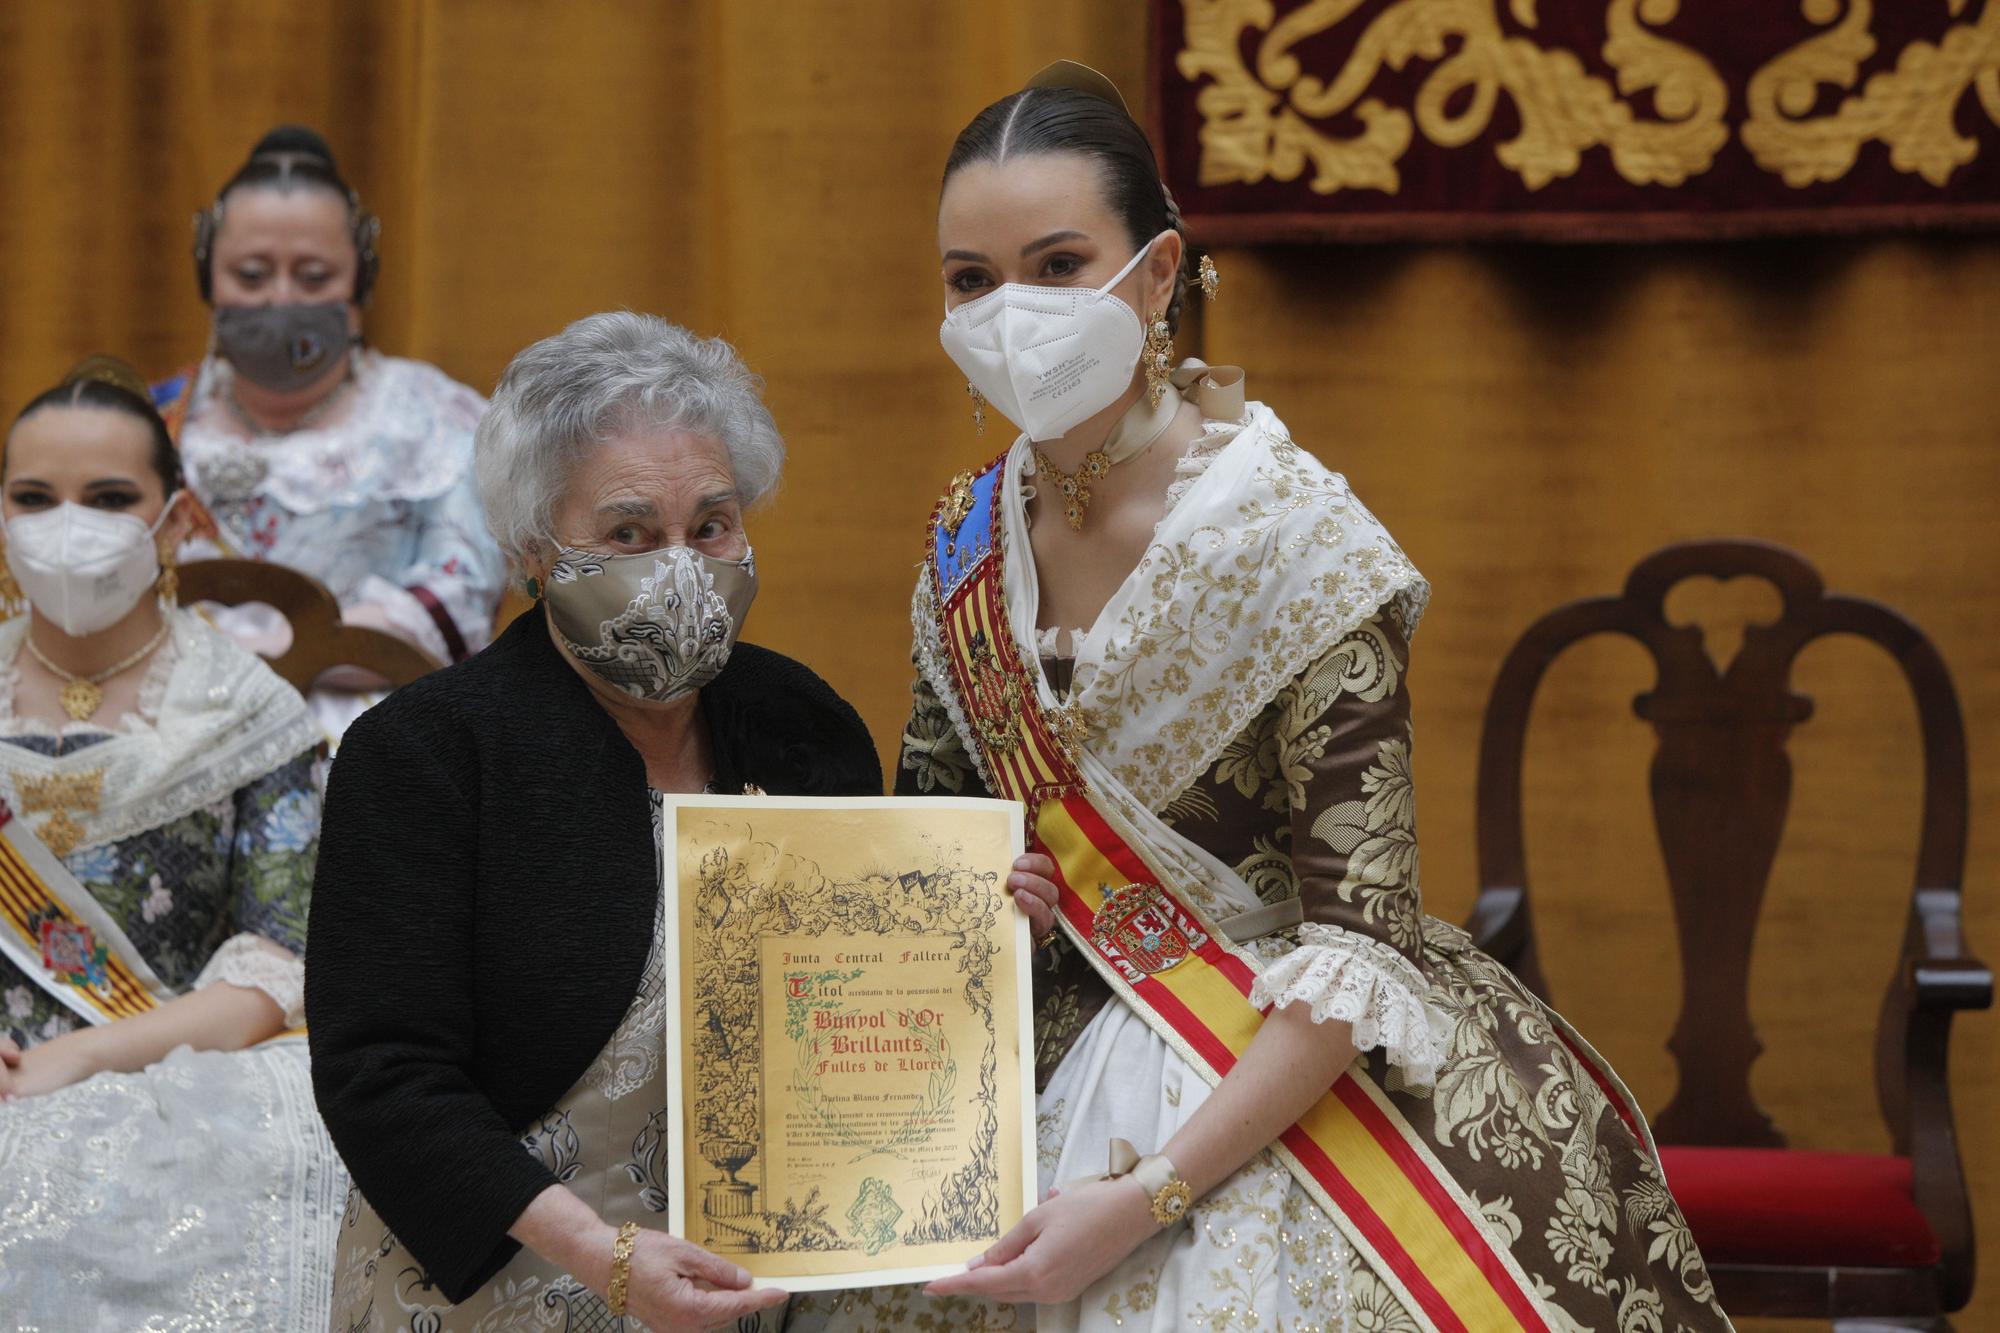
{"type": "Point", "coordinates": [657, 625]}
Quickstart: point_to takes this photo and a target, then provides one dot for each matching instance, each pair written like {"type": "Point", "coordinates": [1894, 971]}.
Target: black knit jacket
{"type": "Point", "coordinates": [483, 909]}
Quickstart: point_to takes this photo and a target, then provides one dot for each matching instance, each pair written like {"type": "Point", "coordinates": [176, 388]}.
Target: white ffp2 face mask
{"type": "Point", "coordinates": [1048, 357]}
{"type": "Point", "coordinates": [84, 568]}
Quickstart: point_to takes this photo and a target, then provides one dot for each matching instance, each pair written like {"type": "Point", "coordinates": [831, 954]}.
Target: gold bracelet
{"type": "Point", "coordinates": [1171, 1194]}
{"type": "Point", "coordinates": [621, 1268]}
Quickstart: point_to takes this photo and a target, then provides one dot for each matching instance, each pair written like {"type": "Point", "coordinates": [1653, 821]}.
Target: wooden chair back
{"type": "Point", "coordinates": [320, 641]}
{"type": "Point", "coordinates": [1721, 785]}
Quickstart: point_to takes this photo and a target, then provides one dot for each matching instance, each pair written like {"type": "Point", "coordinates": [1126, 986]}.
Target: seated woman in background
{"type": "Point", "coordinates": [156, 857]}
{"type": "Point", "coordinates": [310, 450]}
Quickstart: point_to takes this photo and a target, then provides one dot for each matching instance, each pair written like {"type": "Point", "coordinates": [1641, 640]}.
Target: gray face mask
{"type": "Point", "coordinates": [657, 625]}
{"type": "Point", "coordinates": [282, 348]}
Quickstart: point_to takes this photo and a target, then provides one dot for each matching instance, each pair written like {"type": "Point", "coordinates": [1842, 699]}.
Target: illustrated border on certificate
{"type": "Point", "coordinates": [1015, 1085]}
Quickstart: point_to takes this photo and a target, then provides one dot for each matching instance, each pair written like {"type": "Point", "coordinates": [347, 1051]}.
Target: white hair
{"type": "Point", "coordinates": [601, 375]}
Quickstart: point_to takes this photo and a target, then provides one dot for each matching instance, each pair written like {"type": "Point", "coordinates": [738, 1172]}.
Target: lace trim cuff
{"type": "Point", "coordinates": [1354, 979]}
{"type": "Point", "coordinates": [255, 963]}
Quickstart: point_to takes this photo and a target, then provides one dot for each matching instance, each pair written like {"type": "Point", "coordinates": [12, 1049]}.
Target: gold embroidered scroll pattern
{"type": "Point", "coordinates": [1910, 108]}
{"type": "Point", "coordinates": [1260, 123]}
{"type": "Point", "coordinates": [1183, 674]}
{"type": "Point", "coordinates": [996, 698]}
{"type": "Point", "coordinates": [62, 793]}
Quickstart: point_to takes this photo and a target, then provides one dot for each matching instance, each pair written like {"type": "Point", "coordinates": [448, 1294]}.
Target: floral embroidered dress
{"type": "Point", "coordinates": [380, 504]}
{"type": "Point", "coordinates": [1248, 711]}
{"type": "Point", "coordinates": [606, 1140]}
{"type": "Point", "coordinates": [194, 824]}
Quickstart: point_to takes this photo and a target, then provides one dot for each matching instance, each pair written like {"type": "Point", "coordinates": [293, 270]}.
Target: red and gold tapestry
{"type": "Point", "coordinates": [1576, 119]}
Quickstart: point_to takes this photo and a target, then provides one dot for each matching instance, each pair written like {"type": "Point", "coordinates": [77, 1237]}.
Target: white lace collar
{"type": "Point", "coordinates": [1057, 641]}
{"type": "Point", "coordinates": [1264, 560]}
{"type": "Point", "coordinates": [407, 435]}
{"type": "Point", "coordinates": [221, 719]}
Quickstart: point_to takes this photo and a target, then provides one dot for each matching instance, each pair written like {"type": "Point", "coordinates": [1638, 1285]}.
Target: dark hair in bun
{"type": "Point", "coordinates": [108, 383]}
{"type": "Point", "coordinates": [301, 139]}
{"type": "Point", "coordinates": [289, 157]}
{"type": "Point", "coordinates": [1054, 119]}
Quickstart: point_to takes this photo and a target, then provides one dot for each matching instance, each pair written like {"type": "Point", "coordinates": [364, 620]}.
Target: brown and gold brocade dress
{"type": "Point", "coordinates": [1313, 799]}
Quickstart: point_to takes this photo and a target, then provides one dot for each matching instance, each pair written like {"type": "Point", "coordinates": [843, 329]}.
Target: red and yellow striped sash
{"type": "Point", "coordinates": [1353, 1150]}
{"type": "Point", "coordinates": [28, 905]}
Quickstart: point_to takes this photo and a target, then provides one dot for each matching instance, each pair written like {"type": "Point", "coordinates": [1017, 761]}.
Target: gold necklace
{"type": "Point", "coordinates": [1075, 487]}
{"type": "Point", "coordinates": [81, 695]}
{"type": "Point", "coordinates": [1143, 423]}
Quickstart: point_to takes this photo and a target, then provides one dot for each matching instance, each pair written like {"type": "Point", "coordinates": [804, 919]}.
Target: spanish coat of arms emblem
{"type": "Point", "coordinates": [1139, 931]}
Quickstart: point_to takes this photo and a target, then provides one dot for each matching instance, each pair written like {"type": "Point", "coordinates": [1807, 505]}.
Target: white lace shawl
{"type": "Point", "coordinates": [210, 717]}
{"type": "Point", "coordinates": [223, 719]}
{"type": "Point", "coordinates": [1264, 561]}
{"type": "Point", "coordinates": [407, 436]}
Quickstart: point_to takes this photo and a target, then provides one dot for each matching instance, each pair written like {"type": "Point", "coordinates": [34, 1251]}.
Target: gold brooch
{"type": "Point", "coordinates": [1070, 724]}
{"type": "Point", "coordinates": [957, 504]}
{"type": "Point", "coordinates": [1171, 1203]}
{"type": "Point", "coordinates": [62, 793]}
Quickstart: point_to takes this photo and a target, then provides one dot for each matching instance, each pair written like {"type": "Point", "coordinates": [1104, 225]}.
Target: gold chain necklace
{"type": "Point", "coordinates": [1143, 423]}
{"type": "Point", "coordinates": [1075, 487]}
{"type": "Point", "coordinates": [81, 695]}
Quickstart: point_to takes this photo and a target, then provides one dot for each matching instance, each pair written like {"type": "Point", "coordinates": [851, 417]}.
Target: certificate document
{"type": "Point", "coordinates": [850, 1051]}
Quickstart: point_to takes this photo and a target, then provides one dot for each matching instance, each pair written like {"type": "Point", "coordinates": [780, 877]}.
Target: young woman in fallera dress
{"type": "Point", "coordinates": [1174, 633]}
{"type": "Point", "coordinates": [156, 861]}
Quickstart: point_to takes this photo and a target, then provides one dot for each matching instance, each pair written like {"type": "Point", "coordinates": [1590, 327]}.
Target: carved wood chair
{"type": "Point", "coordinates": [1786, 1233]}
{"type": "Point", "coordinates": [319, 641]}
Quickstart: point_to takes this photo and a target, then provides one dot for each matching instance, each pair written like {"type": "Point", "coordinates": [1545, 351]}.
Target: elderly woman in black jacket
{"type": "Point", "coordinates": [485, 998]}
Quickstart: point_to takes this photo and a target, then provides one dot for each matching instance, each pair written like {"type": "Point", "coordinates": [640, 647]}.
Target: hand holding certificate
{"type": "Point", "coordinates": [851, 1093]}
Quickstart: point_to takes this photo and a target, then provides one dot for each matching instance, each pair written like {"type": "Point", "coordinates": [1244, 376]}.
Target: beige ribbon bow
{"type": "Point", "coordinates": [1168, 1194]}
{"type": "Point", "coordinates": [1216, 390]}
{"type": "Point", "coordinates": [1151, 1172]}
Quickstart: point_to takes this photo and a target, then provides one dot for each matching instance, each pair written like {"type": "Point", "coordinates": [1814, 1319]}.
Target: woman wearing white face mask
{"type": "Point", "coordinates": [309, 449]}
{"type": "Point", "coordinates": [1274, 1093]}
{"type": "Point", "coordinates": [156, 855]}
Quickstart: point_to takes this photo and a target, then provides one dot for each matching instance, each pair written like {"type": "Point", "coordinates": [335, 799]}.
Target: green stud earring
{"type": "Point", "coordinates": [534, 586]}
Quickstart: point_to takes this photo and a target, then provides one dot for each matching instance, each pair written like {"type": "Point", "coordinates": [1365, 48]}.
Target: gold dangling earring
{"type": "Point", "coordinates": [1158, 358]}
{"type": "Point", "coordinates": [1209, 278]}
{"type": "Point", "coordinates": [168, 585]}
{"type": "Point", "coordinates": [978, 408]}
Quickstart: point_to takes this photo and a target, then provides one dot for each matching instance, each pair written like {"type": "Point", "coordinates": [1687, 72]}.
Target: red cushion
{"type": "Point", "coordinates": [1778, 1206]}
